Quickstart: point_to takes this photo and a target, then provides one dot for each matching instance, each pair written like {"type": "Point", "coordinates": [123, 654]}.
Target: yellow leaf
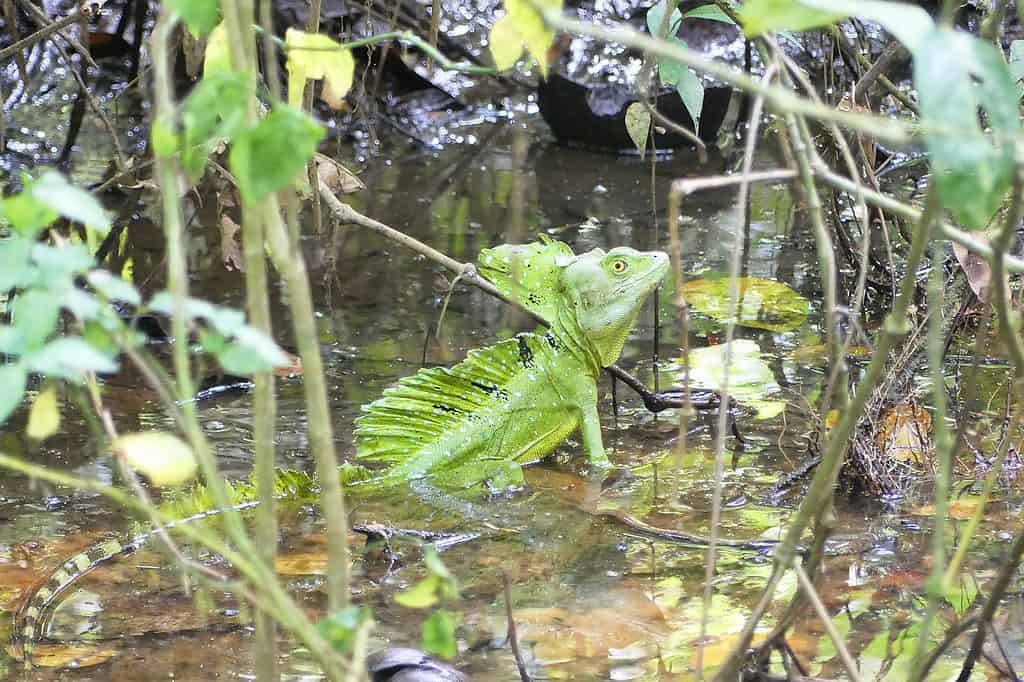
{"type": "Point", "coordinates": [528, 23]}
{"type": "Point", "coordinates": [312, 56]}
{"type": "Point", "coordinates": [218, 52]}
{"type": "Point", "coordinates": [44, 419]}
{"type": "Point", "coordinates": [506, 43]}
{"type": "Point", "coordinates": [163, 458]}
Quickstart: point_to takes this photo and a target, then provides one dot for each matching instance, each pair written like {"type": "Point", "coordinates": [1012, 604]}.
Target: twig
{"type": "Point", "coordinates": [41, 34]}
{"type": "Point", "coordinates": [513, 638]}
{"type": "Point", "coordinates": [826, 621]}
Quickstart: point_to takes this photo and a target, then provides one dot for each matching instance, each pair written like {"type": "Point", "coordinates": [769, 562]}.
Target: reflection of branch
{"type": "Point", "coordinates": [467, 273]}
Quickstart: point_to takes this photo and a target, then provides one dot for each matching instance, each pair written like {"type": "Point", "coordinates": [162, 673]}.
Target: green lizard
{"type": "Point", "coordinates": [475, 423]}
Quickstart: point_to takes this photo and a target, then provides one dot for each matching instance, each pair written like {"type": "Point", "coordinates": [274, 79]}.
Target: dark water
{"type": "Point", "coordinates": [593, 599]}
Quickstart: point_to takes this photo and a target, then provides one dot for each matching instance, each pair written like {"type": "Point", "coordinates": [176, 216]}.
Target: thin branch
{"type": "Point", "coordinates": [826, 621]}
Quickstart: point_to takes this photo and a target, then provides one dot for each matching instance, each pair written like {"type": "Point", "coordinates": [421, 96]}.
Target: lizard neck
{"type": "Point", "coordinates": [566, 329]}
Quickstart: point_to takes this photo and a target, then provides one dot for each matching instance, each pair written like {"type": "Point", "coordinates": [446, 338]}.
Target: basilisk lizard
{"type": "Point", "coordinates": [475, 423]}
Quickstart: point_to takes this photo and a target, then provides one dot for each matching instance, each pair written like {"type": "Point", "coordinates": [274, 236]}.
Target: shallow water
{"type": "Point", "coordinates": [594, 599]}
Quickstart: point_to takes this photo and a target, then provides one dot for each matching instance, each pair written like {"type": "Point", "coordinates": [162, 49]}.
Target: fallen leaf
{"type": "Point", "coordinates": [976, 268]}
{"type": "Point", "coordinates": [336, 177]}
{"type": "Point", "coordinates": [66, 655]}
{"type": "Point", "coordinates": [903, 434]}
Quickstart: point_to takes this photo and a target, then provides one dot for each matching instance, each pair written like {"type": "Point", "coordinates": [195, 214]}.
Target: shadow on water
{"type": "Point", "coordinates": [594, 598]}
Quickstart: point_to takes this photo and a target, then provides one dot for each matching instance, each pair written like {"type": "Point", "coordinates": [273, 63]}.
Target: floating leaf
{"type": "Point", "coordinates": [439, 633]}
{"type": "Point", "coordinates": [163, 458]}
{"type": "Point", "coordinates": [750, 377]}
{"type": "Point", "coordinates": [44, 417]}
{"type": "Point", "coordinates": [74, 203]}
{"type": "Point", "coordinates": [199, 15]}
{"type": "Point", "coordinates": [763, 303]}
{"type": "Point", "coordinates": [268, 156]}
{"type": "Point", "coordinates": [12, 378]}
{"type": "Point", "coordinates": [313, 56]}
{"type": "Point", "coordinates": [638, 125]}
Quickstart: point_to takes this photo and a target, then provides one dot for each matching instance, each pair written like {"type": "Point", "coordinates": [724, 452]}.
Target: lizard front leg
{"type": "Point", "coordinates": [590, 425]}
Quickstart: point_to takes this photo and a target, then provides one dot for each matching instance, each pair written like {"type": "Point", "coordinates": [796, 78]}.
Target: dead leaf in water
{"type": "Point", "coordinates": [66, 655]}
{"type": "Point", "coordinates": [305, 563]}
{"type": "Point", "coordinates": [336, 177]}
{"type": "Point", "coordinates": [976, 268]}
{"type": "Point", "coordinates": [903, 434]}
{"type": "Point", "coordinates": [230, 253]}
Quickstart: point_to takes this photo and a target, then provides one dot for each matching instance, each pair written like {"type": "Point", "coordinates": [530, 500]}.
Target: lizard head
{"type": "Point", "coordinates": [605, 291]}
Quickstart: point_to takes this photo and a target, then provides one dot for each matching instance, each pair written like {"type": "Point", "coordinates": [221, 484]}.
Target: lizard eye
{"type": "Point", "coordinates": [619, 266]}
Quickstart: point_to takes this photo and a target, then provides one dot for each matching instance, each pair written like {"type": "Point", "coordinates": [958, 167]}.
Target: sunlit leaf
{"type": "Point", "coordinates": [74, 203]}
{"type": "Point", "coordinates": [199, 15]}
{"type": "Point", "coordinates": [163, 458]}
{"type": "Point", "coordinates": [956, 74]}
{"type": "Point", "coordinates": [44, 417]}
{"type": "Point", "coordinates": [439, 633]}
{"type": "Point", "coordinates": [763, 303]}
{"type": "Point", "coordinates": [69, 358]}
{"type": "Point", "coordinates": [750, 377]}
{"type": "Point", "coordinates": [764, 16]}
{"type": "Point", "coordinates": [12, 378]}
{"type": "Point", "coordinates": [638, 125]}
{"type": "Point", "coordinates": [505, 43]}
{"type": "Point", "coordinates": [218, 51]}
{"type": "Point", "coordinates": [268, 156]}
{"type": "Point", "coordinates": [313, 56]}
{"type": "Point", "coordinates": [422, 595]}
{"type": "Point", "coordinates": [526, 22]}
{"type": "Point", "coordinates": [339, 627]}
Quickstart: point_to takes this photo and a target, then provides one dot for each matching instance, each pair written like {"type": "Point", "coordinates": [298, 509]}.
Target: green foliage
{"type": "Point", "coordinates": [213, 112]}
{"type": "Point", "coordinates": [683, 79]}
{"type": "Point", "coordinates": [522, 26]}
{"type": "Point", "coordinates": [269, 155]}
{"type": "Point", "coordinates": [439, 585]}
{"type": "Point", "coordinates": [53, 191]}
{"type": "Point", "coordinates": [199, 15]}
{"type": "Point", "coordinates": [638, 125]}
{"type": "Point", "coordinates": [339, 628]}
{"type": "Point", "coordinates": [439, 633]}
{"type": "Point", "coordinates": [763, 303]}
{"type": "Point", "coordinates": [956, 75]}
{"type": "Point", "coordinates": [765, 16]}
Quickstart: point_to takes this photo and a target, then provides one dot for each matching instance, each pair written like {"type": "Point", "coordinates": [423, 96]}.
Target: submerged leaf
{"type": "Point", "coordinates": [763, 303]}
{"type": "Point", "coordinates": [750, 377]}
{"type": "Point", "coordinates": [903, 434]}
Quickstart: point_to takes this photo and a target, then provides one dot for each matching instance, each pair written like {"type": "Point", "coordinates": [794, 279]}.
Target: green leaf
{"type": "Point", "coordinates": [268, 156]}
{"type": "Point", "coordinates": [313, 56]}
{"type": "Point", "coordinates": [750, 377]}
{"type": "Point", "coordinates": [163, 458]}
{"type": "Point", "coordinates": [422, 595]}
{"type": "Point", "coordinates": [214, 111]}
{"type": "Point", "coordinates": [339, 627]}
{"type": "Point", "coordinates": [62, 261]}
{"type": "Point", "coordinates": [35, 314]}
{"type": "Point", "coordinates": [505, 43]}
{"type": "Point", "coordinates": [199, 15]}
{"type": "Point", "coordinates": [763, 303]}
{"type": "Point", "coordinates": [113, 288]}
{"type": "Point", "coordinates": [218, 51]}
{"type": "Point", "coordinates": [765, 16]}
{"type": "Point", "coordinates": [44, 417]}
{"type": "Point", "coordinates": [69, 358]}
{"type": "Point", "coordinates": [12, 342]}
{"type": "Point", "coordinates": [955, 76]}
{"type": "Point", "coordinates": [74, 203]}
{"type": "Point", "coordinates": [439, 633]}
{"type": "Point", "coordinates": [1016, 64]}
{"type": "Point", "coordinates": [638, 125]}
{"type": "Point", "coordinates": [12, 378]}
{"type": "Point", "coordinates": [81, 304]}
{"type": "Point", "coordinates": [709, 13]}
{"type": "Point", "coordinates": [16, 267]}
{"type": "Point", "coordinates": [26, 214]}
{"type": "Point", "coordinates": [656, 14]}
{"type": "Point", "coordinates": [691, 90]}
